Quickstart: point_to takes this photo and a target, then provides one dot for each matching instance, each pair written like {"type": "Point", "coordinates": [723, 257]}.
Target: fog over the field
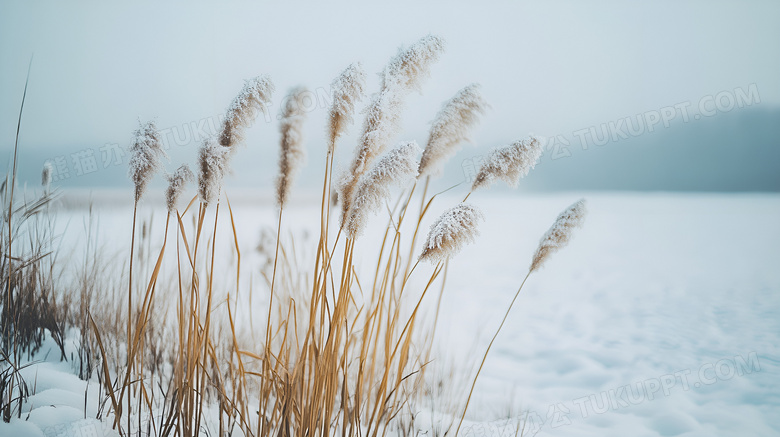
{"type": "Point", "coordinates": [645, 96]}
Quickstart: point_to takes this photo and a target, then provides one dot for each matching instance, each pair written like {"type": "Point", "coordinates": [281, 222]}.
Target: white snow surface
{"type": "Point", "coordinates": [659, 319]}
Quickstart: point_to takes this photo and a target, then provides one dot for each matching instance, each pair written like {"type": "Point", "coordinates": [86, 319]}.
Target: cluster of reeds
{"type": "Point", "coordinates": [339, 353]}
{"type": "Point", "coordinates": [29, 310]}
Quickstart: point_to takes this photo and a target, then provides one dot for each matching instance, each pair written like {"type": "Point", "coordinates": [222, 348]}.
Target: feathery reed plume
{"type": "Point", "coordinates": [509, 163]}
{"type": "Point", "coordinates": [256, 95]}
{"type": "Point", "coordinates": [347, 91]}
{"type": "Point", "coordinates": [559, 234]}
{"type": "Point", "coordinates": [292, 153]}
{"type": "Point", "coordinates": [451, 127]}
{"type": "Point", "coordinates": [176, 184]}
{"type": "Point", "coordinates": [397, 167]}
{"type": "Point", "coordinates": [455, 228]}
{"type": "Point", "coordinates": [212, 167]}
{"type": "Point", "coordinates": [383, 121]}
{"type": "Point", "coordinates": [411, 65]}
{"type": "Point", "coordinates": [46, 173]}
{"type": "Point", "coordinates": [403, 73]}
{"type": "Point", "coordinates": [146, 159]}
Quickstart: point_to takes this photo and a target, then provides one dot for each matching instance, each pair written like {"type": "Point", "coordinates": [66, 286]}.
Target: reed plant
{"type": "Point", "coordinates": [341, 348]}
{"type": "Point", "coordinates": [29, 309]}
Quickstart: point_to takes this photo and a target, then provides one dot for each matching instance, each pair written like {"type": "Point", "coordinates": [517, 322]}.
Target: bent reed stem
{"type": "Point", "coordinates": [484, 357]}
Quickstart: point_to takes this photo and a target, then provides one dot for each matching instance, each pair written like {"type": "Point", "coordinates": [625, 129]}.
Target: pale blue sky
{"type": "Point", "coordinates": [546, 68]}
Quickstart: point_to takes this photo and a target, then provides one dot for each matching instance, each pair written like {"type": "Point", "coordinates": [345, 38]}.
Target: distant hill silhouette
{"type": "Point", "coordinates": [733, 151]}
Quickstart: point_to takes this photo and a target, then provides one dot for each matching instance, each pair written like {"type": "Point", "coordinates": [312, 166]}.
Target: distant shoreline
{"type": "Point", "coordinates": [82, 198]}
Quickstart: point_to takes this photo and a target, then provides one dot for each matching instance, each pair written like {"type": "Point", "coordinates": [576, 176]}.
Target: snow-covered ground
{"type": "Point", "coordinates": [660, 319]}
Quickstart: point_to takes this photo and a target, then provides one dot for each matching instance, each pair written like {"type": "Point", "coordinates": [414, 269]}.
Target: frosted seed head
{"type": "Point", "coordinates": [455, 228]}
{"type": "Point", "coordinates": [558, 236]}
{"type": "Point", "coordinates": [176, 183]}
{"type": "Point", "coordinates": [396, 168]}
{"type": "Point", "coordinates": [254, 96]}
{"type": "Point", "coordinates": [347, 92]}
{"type": "Point", "coordinates": [382, 123]}
{"type": "Point", "coordinates": [292, 154]}
{"type": "Point", "coordinates": [402, 74]}
{"type": "Point", "coordinates": [412, 64]}
{"type": "Point", "coordinates": [213, 164]}
{"type": "Point", "coordinates": [509, 163]}
{"type": "Point", "coordinates": [452, 125]}
{"type": "Point", "coordinates": [146, 156]}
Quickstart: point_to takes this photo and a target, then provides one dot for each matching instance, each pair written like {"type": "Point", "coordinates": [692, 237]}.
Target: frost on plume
{"type": "Point", "coordinates": [383, 116]}
{"type": "Point", "coordinates": [455, 228]}
{"type": "Point", "coordinates": [292, 153]}
{"type": "Point", "coordinates": [347, 91]}
{"type": "Point", "coordinates": [558, 236]}
{"type": "Point", "coordinates": [509, 163]}
{"type": "Point", "coordinates": [382, 122]}
{"type": "Point", "coordinates": [176, 183]}
{"type": "Point", "coordinates": [412, 64]}
{"type": "Point", "coordinates": [451, 127]}
{"type": "Point", "coordinates": [212, 167]}
{"type": "Point", "coordinates": [146, 155]}
{"type": "Point", "coordinates": [402, 74]}
{"type": "Point", "coordinates": [254, 97]}
{"type": "Point", "coordinates": [397, 168]}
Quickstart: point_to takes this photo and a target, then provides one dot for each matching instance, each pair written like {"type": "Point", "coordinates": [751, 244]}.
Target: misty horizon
{"type": "Point", "coordinates": [633, 80]}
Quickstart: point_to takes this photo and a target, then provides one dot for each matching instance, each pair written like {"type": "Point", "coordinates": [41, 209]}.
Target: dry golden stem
{"type": "Point", "coordinates": [484, 357]}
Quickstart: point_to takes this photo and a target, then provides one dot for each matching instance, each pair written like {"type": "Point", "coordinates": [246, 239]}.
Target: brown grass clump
{"type": "Point", "coordinates": [292, 154]}
{"type": "Point", "coordinates": [28, 306]}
